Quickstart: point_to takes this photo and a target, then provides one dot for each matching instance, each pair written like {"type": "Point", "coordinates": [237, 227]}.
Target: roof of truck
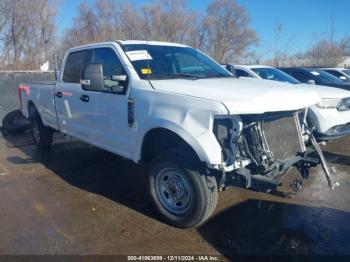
{"type": "Point", "coordinates": [128, 42]}
{"type": "Point", "coordinates": [144, 42]}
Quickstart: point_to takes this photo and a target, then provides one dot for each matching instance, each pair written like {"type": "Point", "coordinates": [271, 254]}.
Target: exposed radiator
{"type": "Point", "coordinates": [282, 137]}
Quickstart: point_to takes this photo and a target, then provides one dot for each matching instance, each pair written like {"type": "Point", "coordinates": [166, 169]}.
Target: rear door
{"type": "Point", "coordinates": [67, 96]}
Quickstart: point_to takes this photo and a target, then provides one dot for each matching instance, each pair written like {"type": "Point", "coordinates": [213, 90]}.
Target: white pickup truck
{"type": "Point", "coordinates": [196, 127]}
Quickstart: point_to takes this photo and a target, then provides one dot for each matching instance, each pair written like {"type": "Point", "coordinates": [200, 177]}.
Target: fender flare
{"type": "Point", "coordinates": [177, 129]}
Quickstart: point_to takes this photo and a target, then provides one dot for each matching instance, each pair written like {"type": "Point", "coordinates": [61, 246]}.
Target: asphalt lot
{"type": "Point", "coordinates": [77, 199]}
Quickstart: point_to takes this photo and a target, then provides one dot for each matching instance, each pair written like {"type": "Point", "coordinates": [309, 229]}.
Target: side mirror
{"type": "Point", "coordinates": [92, 77]}
{"type": "Point", "coordinates": [343, 78]}
{"type": "Point", "coordinates": [232, 69]}
{"type": "Point", "coordinates": [311, 82]}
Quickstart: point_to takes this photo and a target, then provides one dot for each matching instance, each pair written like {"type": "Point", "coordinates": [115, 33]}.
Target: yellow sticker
{"type": "Point", "coordinates": [146, 71]}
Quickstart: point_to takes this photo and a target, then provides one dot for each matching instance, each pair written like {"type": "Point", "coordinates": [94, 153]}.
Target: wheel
{"type": "Point", "coordinates": [42, 135]}
{"type": "Point", "coordinates": [181, 194]}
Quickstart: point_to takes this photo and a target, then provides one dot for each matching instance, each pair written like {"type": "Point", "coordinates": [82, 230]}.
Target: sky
{"type": "Point", "coordinates": [303, 21]}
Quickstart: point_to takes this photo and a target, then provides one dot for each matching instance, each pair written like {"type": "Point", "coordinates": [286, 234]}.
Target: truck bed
{"type": "Point", "coordinates": [48, 83]}
{"type": "Point", "coordinates": [42, 95]}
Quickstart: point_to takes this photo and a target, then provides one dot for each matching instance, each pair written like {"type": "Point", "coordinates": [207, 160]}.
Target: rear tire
{"type": "Point", "coordinates": [42, 135]}
{"type": "Point", "coordinates": [181, 194]}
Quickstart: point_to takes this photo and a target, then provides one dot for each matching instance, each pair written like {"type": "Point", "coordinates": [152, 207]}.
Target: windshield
{"type": "Point", "coordinates": [346, 71]}
{"type": "Point", "coordinates": [325, 77]}
{"type": "Point", "coordinates": [167, 62]}
{"type": "Point", "coordinates": [275, 74]}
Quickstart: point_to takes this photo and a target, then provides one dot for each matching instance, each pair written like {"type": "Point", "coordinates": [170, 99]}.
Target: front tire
{"type": "Point", "coordinates": [42, 135]}
{"type": "Point", "coordinates": [181, 194]}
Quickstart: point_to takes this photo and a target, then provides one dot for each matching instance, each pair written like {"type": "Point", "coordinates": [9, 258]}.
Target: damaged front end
{"type": "Point", "coordinates": [258, 150]}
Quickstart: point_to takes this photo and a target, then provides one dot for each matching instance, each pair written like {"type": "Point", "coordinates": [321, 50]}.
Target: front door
{"type": "Point", "coordinates": [104, 113]}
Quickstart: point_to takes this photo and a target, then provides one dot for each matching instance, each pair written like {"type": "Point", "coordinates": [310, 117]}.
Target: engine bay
{"type": "Point", "coordinates": [262, 148]}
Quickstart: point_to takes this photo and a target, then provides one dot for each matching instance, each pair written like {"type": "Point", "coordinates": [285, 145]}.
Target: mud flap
{"type": "Point", "coordinates": [332, 184]}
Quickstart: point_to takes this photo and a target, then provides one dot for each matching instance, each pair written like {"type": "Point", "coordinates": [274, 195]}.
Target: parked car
{"type": "Point", "coordinates": [341, 73]}
{"type": "Point", "coordinates": [169, 106]}
{"type": "Point", "coordinates": [329, 119]}
{"type": "Point", "coordinates": [316, 76]}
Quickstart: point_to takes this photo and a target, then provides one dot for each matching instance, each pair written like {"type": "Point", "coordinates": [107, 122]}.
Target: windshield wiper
{"type": "Point", "coordinates": [187, 76]}
{"type": "Point", "coordinates": [217, 76]}
{"type": "Point", "coordinates": [174, 76]}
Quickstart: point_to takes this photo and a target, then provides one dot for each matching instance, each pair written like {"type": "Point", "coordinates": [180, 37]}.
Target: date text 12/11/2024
{"type": "Point", "coordinates": [173, 258]}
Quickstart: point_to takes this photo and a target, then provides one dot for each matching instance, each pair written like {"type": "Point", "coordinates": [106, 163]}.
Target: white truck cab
{"type": "Point", "coordinates": [177, 110]}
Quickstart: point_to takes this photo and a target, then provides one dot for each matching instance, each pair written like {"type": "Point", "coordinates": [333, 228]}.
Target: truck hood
{"type": "Point", "coordinates": [327, 91]}
{"type": "Point", "coordinates": [243, 95]}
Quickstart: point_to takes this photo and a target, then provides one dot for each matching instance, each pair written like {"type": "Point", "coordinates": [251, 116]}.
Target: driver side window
{"type": "Point", "coordinates": [112, 67]}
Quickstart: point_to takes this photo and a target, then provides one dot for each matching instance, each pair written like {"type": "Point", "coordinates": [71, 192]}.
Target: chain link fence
{"type": "Point", "coordinates": [9, 82]}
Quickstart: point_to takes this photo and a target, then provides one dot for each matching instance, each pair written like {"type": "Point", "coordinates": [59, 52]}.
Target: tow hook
{"type": "Point", "coordinates": [332, 184]}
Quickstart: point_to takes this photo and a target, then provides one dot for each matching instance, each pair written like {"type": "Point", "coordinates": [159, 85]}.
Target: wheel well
{"type": "Point", "coordinates": [160, 140]}
{"type": "Point", "coordinates": [31, 109]}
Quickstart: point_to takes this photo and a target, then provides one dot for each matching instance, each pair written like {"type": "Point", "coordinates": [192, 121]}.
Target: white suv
{"type": "Point", "coordinates": [330, 117]}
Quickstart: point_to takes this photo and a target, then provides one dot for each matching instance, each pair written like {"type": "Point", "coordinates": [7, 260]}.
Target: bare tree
{"type": "Point", "coordinates": [222, 31]}
{"type": "Point", "coordinates": [168, 20]}
{"type": "Point", "coordinates": [325, 53]}
{"type": "Point", "coordinates": [27, 29]}
{"type": "Point", "coordinates": [345, 45]}
{"type": "Point", "coordinates": [279, 53]}
{"type": "Point", "coordinates": [104, 20]}
{"type": "Point", "coordinates": [227, 30]}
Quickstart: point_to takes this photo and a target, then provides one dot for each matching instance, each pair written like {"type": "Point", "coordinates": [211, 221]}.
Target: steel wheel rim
{"type": "Point", "coordinates": [173, 190]}
{"type": "Point", "coordinates": [36, 133]}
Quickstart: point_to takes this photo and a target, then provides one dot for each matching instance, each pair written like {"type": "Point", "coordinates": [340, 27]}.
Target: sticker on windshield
{"type": "Point", "coordinates": [146, 71]}
{"type": "Point", "coordinates": [138, 55]}
{"type": "Point", "coordinates": [315, 73]}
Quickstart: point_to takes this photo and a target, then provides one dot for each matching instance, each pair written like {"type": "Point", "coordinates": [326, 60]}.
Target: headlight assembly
{"type": "Point", "coordinates": [344, 104]}
{"type": "Point", "coordinates": [227, 129]}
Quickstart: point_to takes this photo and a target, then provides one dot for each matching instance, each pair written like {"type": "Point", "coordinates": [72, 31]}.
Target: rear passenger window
{"type": "Point", "coordinates": [74, 65]}
{"type": "Point", "coordinates": [335, 73]}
